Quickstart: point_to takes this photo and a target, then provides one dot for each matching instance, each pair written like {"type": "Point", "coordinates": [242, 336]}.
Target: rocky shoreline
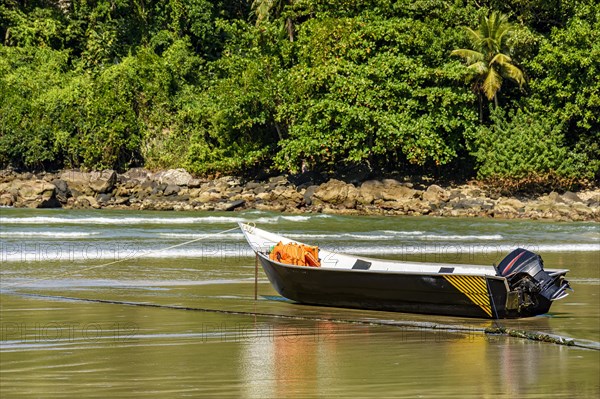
{"type": "Point", "coordinates": [176, 189]}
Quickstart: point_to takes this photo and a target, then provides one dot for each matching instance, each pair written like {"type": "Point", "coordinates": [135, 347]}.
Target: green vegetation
{"type": "Point", "coordinates": [232, 86]}
{"type": "Point", "coordinates": [488, 65]}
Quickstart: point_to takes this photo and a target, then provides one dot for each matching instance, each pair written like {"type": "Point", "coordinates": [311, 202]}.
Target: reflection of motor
{"type": "Point", "coordinates": [528, 281]}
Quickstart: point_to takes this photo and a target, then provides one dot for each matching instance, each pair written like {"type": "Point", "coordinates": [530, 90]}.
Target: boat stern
{"type": "Point", "coordinates": [532, 289]}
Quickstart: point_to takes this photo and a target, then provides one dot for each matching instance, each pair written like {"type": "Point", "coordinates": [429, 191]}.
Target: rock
{"type": "Point", "coordinates": [147, 185]}
{"type": "Point", "coordinates": [287, 194]}
{"type": "Point", "coordinates": [86, 201]}
{"type": "Point", "coordinates": [392, 205]}
{"type": "Point", "coordinates": [103, 182]}
{"type": "Point", "coordinates": [509, 206]}
{"type": "Point", "coordinates": [88, 183]}
{"type": "Point", "coordinates": [159, 189]}
{"type": "Point", "coordinates": [248, 197]}
{"type": "Point", "coordinates": [260, 189]}
{"type": "Point", "coordinates": [563, 209]}
{"type": "Point", "coordinates": [7, 175]}
{"type": "Point", "coordinates": [62, 190]}
{"type": "Point", "coordinates": [194, 183]}
{"type": "Point", "coordinates": [279, 180]}
{"type": "Point", "coordinates": [473, 192]}
{"type": "Point", "coordinates": [571, 197]}
{"type": "Point", "coordinates": [553, 197]}
{"type": "Point", "coordinates": [456, 194]}
{"type": "Point", "coordinates": [7, 199]}
{"type": "Point", "coordinates": [171, 189]}
{"type": "Point", "coordinates": [178, 177]}
{"type": "Point", "coordinates": [337, 192]}
{"type": "Point", "coordinates": [138, 174]}
{"type": "Point", "coordinates": [121, 200]}
{"type": "Point", "coordinates": [77, 181]}
{"type": "Point", "coordinates": [435, 194]}
{"type": "Point", "coordinates": [265, 196]}
{"type": "Point", "coordinates": [233, 191]}
{"type": "Point", "coordinates": [582, 209]}
{"type": "Point", "coordinates": [208, 196]}
{"type": "Point", "coordinates": [31, 190]}
{"type": "Point", "coordinates": [308, 194]}
{"type": "Point", "coordinates": [394, 190]}
{"type": "Point", "coordinates": [370, 191]}
{"type": "Point", "coordinates": [103, 198]}
{"type": "Point", "coordinates": [230, 206]}
{"type": "Point", "coordinates": [38, 194]}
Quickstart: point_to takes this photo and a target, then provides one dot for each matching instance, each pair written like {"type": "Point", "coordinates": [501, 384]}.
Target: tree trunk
{"type": "Point", "coordinates": [289, 26]}
{"type": "Point", "coordinates": [480, 107]}
{"type": "Point", "coordinates": [278, 128]}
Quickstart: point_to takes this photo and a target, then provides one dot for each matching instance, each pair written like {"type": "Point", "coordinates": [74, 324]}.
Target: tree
{"type": "Point", "coordinates": [487, 61]}
{"type": "Point", "coordinates": [267, 9]}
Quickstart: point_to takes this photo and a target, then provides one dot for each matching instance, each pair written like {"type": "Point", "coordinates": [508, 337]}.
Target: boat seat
{"type": "Point", "coordinates": [362, 265]}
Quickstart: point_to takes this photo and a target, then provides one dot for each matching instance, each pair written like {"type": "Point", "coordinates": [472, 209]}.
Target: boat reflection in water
{"type": "Point", "coordinates": [313, 359]}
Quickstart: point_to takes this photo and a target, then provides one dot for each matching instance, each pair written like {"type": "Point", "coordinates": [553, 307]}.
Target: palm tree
{"type": "Point", "coordinates": [486, 61]}
{"type": "Point", "coordinates": [266, 9]}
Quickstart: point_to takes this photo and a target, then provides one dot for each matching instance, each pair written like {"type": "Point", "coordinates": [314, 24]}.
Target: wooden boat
{"type": "Point", "coordinates": [517, 287]}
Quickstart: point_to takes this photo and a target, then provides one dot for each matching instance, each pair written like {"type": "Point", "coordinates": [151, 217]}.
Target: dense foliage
{"type": "Point", "coordinates": [229, 86]}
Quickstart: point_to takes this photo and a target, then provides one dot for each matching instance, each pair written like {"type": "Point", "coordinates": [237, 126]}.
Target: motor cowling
{"type": "Point", "coordinates": [524, 271]}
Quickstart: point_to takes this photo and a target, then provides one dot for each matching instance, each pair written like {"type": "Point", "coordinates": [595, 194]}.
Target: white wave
{"type": "Point", "coordinates": [289, 218]}
{"type": "Point", "coordinates": [216, 236]}
{"type": "Point", "coordinates": [49, 234]}
{"type": "Point", "coordinates": [417, 235]}
{"type": "Point", "coordinates": [441, 237]}
{"type": "Point", "coordinates": [466, 249]}
{"type": "Point", "coordinates": [120, 220]}
{"type": "Point", "coordinates": [239, 250]}
{"type": "Point", "coordinates": [450, 237]}
{"type": "Point", "coordinates": [404, 233]}
{"type": "Point", "coordinates": [340, 236]}
{"type": "Point", "coordinates": [92, 220]}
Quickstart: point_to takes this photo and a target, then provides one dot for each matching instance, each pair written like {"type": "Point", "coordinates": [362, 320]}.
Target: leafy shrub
{"type": "Point", "coordinates": [520, 146]}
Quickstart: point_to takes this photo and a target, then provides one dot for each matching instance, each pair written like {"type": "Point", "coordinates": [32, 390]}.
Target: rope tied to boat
{"type": "Point", "coordinates": [126, 258]}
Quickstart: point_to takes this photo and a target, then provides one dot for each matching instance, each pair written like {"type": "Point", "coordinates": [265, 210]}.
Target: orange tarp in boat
{"type": "Point", "coordinates": [296, 254]}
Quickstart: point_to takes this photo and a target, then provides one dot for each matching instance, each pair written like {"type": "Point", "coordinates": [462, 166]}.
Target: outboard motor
{"type": "Point", "coordinates": [524, 271]}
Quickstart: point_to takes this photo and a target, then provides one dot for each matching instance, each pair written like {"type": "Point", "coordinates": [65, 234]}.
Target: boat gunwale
{"type": "Point", "coordinates": [392, 272]}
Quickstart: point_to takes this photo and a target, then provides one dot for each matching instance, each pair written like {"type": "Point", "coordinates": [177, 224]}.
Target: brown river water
{"type": "Point", "coordinates": [63, 332]}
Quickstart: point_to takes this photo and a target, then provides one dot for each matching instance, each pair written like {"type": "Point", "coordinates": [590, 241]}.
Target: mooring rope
{"type": "Point", "coordinates": [413, 325]}
{"type": "Point", "coordinates": [127, 258]}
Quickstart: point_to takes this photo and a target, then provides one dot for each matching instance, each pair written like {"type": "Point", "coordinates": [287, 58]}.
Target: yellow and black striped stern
{"type": "Point", "coordinates": [474, 288]}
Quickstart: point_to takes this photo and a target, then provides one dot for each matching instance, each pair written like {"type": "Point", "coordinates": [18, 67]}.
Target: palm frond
{"type": "Point", "coordinates": [470, 56]}
{"type": "Point", "coordinates": [474, 38]}
{"type": "Point", "coordinates": [501, 59]}
{"type": "Point", "coordinates": [492, 83]}
{"type": "Point", "coordinates": [498, 24]}
{"type": "Point", "coordinates": [514, 73]}
{"type": "Point", "coordinates": [478, 68]}
{"type": "Point", "coordinates": [484, 26]}
{"type": "Point", "coordinates": [489, 45]}
{"type": "Point", "coordinates": [262, 10]}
